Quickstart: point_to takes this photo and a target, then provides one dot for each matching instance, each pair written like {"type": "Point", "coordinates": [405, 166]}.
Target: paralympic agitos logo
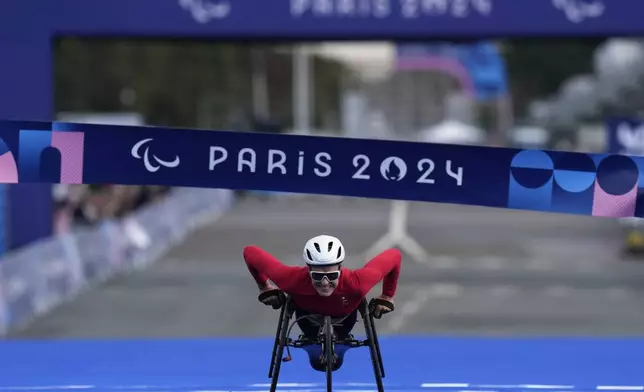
{"type": "Point", "coordinates": [579, 10]}
{"type": "Point", "coordinates": [204, 11]}
{"type": "Point", "coordinates": [149, 165]}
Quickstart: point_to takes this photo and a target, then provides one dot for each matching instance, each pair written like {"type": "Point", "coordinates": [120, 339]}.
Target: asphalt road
{"type": "Point", "coordinates": [489, 272]}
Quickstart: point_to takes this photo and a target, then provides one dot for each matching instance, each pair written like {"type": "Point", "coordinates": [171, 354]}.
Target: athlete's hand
{"type": "Point", "coordinates": [270, 295]}
{"type": "Point", "coordinates": [381, 305]}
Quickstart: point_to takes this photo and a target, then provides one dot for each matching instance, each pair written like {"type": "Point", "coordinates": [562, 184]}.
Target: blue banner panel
{"type": "Point", "coordinates": [552, 181]}
{"type": "Point", "coordinates": [298, 19]}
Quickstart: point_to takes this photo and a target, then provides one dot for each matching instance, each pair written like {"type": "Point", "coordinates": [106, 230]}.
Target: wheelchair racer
{"type": "Point", "coordinates": [324, 287]}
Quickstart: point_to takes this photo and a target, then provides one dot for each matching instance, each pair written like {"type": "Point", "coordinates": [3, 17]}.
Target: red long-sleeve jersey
{"type": "Point", "coordinates": [350, 291]}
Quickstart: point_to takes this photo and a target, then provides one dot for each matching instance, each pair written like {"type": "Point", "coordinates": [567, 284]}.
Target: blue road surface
{"type": "Point", "coordinates": [412, 364]}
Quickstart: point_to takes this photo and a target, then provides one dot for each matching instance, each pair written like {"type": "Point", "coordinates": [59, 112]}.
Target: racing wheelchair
{"type": "Point", "coordinates": [327, 341]}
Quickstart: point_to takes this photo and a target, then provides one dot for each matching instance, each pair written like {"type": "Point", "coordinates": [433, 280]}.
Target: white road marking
{"type": "Point", "coordinates": [446, 290]}
{"type": "Point", "coordinates": [539, 264]}
{"type": "Point", "coordinates": [491, 262]}
{"type": "Point", "coordinates": [558, 291]}
{"type": "Point", "coordinates": [504, 290]}
{"type": "Point", "coordinates": [444, 262]}
{"type": "Point", "coordinates": [617, 293]}
{"type": "Point", "coordinates": [444, 385]}
{"type": "Point", "coordinates": [318, 387]}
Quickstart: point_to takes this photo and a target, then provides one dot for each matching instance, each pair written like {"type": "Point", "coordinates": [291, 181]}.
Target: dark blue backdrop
{"type": "Point", "coordinates": [28, 27]}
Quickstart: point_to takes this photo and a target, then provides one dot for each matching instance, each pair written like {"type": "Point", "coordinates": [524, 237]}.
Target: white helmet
{"type": "Point", "coordinates": [323, 250]}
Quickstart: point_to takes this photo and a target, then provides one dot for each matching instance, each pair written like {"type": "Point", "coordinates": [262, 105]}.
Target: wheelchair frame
{"type": "Point", "coordinates": [282, 340]}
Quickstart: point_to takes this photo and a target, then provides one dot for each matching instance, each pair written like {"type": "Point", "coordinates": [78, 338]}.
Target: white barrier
{"type": "Point", "coordinates": [42, 276]}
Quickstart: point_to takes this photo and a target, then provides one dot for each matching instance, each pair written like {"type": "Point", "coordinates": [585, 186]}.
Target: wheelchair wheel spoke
{"type": "Point", "coordinates": [281, 343]}
{"type": "Point", "coordinates": [374, 350]}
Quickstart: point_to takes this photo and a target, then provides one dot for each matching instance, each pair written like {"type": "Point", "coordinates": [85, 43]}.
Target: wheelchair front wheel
{"type": "Point", "coordinates": [376, 345]}
{"type": "Point", "coordinates": [279, 348]}
{"type": "Point", "coordinates": [276, 344]}
{"type": "Point", "coordinates": [328, 353]}
{"type": "Point", "coordinates": [374, 350]}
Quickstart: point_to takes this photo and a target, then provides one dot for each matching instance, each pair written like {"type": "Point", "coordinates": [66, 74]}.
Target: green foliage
{"type": "Point", "coordinates": [537, 68]}
{"type": "Point", "coordinates": [182, 83]}
{"type": "Point", "coordinates": [208, 83]}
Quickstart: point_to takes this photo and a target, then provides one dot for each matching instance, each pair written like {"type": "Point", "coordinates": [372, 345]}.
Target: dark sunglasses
{"type": "Point", "coordinates": [318, 276]}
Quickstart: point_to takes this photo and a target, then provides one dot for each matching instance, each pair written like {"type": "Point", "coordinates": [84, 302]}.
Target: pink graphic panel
{"type": "Point", "coordinates": [614, 206]}
{"type": "Point", "coordinates": [8, 169]}
{"type": "Point", "coordinates": [71, 146]}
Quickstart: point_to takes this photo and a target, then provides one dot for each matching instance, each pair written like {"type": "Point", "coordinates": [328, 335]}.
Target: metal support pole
{"type": "Point", "coordinates": [397, 235]}
{"type": "Point", "coordinates": [301, 89]}
{"type": "Point", "coordinates": [259, 84]}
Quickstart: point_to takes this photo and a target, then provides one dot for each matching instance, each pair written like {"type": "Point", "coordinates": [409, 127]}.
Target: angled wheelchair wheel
{"type": "Point", "coordinates": [328, 352]}
{"type": "Point", "coordinates": [277, 342]}
{"type": "Point", "coordinates": [374, 348]}
{"type": "Point", "coordinates": [280, 343]}
{"type": "Point", "coordinates": [376, 345]}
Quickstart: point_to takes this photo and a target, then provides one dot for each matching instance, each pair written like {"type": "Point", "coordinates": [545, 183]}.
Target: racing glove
{"type": "Point", "coordinates": [274, 298]}
{"type": "Point", "coordinates": [379, 306]}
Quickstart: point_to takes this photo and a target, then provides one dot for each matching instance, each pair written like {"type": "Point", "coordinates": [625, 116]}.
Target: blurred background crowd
{"type": "Point", "coordinates": [519, 92]}
{"type": "Point", "coordinates": [88, 205]}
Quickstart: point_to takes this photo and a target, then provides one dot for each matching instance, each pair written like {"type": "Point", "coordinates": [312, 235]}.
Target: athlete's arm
{"type": "Point", "coordinates": [385, 267]}
{"type": "Point", "coordinates": [264, 267]}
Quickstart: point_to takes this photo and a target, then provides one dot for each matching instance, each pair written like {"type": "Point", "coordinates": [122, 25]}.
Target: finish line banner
{"type": "Point", "coordinates": [552, 181]}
